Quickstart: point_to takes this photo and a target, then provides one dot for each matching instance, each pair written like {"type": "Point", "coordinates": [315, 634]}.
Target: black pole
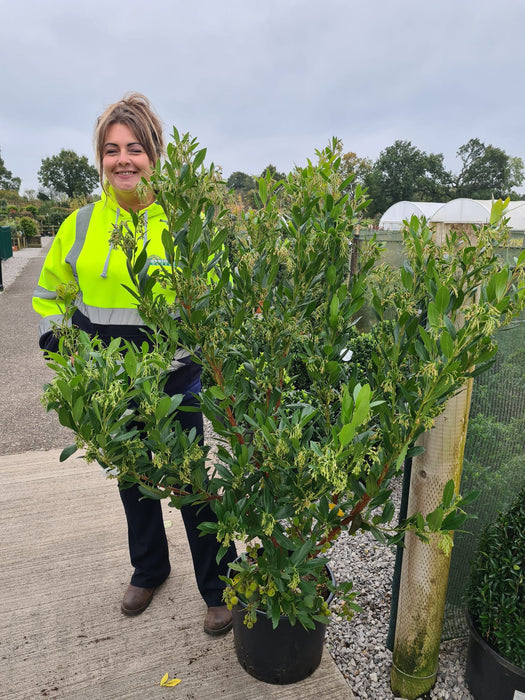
{"type": "Point", "coordinates": [396, 581]}
{"type": "Point", "coordinates": [1, 281]}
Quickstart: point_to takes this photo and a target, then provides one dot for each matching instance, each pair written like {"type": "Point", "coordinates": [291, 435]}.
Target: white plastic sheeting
{"type": "Point", "coordinates": [516, 215]}
{"type": "Point", "coordinates": [463, 211]}
{"type": "Point", "coordinates": [392, 219]}
{"type": "Point", "coordinates": [457, 211]}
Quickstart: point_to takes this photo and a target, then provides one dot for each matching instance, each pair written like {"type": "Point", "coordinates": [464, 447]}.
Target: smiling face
{"type": "Point", "coordinates": [124, 164]}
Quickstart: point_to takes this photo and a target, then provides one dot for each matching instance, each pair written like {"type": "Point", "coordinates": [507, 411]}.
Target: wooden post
{"type": "Point", "coordinates": [425, 567]}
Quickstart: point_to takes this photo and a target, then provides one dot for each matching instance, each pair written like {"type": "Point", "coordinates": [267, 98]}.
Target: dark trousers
{"type": "Point", "coordinates": [148, 545]}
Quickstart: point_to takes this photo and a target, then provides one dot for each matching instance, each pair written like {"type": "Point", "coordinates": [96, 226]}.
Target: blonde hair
{"type": "Point", "coordinates": [135, 112]}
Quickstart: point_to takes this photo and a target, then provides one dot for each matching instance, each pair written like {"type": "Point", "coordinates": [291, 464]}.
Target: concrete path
{"type": "Point", "coordinates": [64, 566]}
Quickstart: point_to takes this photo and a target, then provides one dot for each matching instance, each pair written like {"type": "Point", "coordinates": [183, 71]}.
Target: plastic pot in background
{"type": "Point", "coordinates": [489, 676]}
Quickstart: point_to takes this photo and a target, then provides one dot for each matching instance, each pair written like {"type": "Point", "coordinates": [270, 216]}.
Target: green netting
{"type": "Point", "coordinates": [494, 461]}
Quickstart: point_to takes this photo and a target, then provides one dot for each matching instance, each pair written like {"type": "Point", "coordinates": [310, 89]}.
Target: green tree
{"type": "Point", "coordinates": [275, 175]}
{"type": "Point", "coordinates": [28, 226]}
{"type": "Point", "coordinates": [7, 181]}
{"type": "Point", "coordinates": [487, 172]}
{"type": "Point", "coordinates": [68, 173]}
{"type": "Point", "coordinates": [244, 187]}
{"type": "Point", "coordinates": [403, 172]}
{"type": "Point", "coordinates": [352, 164]}
{"type": "Point", "coordinates": [240, 182]}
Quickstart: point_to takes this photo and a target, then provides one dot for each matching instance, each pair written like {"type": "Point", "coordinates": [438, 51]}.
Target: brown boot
{"type": "Point", "coordinates": [136, 600]}
{"type": "Point", "coordinates": [218, 620]}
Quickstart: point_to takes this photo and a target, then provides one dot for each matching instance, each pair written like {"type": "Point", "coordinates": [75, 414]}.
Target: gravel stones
{"type": "Point", "coordinates": [359, 647]}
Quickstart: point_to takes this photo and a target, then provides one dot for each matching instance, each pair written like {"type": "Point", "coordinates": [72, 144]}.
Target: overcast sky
{"type": "Point", "coordinates": [264, 82]}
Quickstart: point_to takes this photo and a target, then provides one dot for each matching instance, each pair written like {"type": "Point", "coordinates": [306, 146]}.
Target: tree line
{"type": "Point", "coordinates": [67, 180]}
{"type": "Point", "coordinates": [401, 172]}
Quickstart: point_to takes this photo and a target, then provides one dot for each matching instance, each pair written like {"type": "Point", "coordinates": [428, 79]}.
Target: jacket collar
{"type": "Point", "coordinates": [109, 200]}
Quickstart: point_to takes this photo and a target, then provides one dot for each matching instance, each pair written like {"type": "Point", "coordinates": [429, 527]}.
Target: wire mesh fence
{"type": "Point", "coordinates": [494, 461]}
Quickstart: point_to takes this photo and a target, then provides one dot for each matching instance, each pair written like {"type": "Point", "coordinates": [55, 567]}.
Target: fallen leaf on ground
{"type": "Point", "coordinates": [167, 683]}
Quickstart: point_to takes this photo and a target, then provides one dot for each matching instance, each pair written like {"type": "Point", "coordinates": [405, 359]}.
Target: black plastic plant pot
{"type": "Point", "coordinates": [489, 676]}
{"type": "Point", "coordinates": [284, 655]}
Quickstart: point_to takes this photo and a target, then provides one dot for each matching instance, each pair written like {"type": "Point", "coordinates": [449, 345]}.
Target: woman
{"type": "Point", "coordinates": [128, 142]}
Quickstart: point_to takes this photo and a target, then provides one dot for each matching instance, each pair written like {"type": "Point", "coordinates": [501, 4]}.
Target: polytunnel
{"type": "Point", "coordinates": [516, 214]}
{"type": "Point", "coordinates": [392, 219]}
{"type": "Point", "coordinates": [463, 211]}
{"type": "Point", "coordinates": [477, 211]}
{"type": "Point", "coordinates": [457, 211]}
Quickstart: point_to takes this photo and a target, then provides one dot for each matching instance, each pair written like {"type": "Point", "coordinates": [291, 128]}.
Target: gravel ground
{"type": "Point", "coordinates": [357, 647]}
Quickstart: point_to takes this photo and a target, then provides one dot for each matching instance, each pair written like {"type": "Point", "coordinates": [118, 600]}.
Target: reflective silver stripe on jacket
{"type": "Point", "coordinates": [109, 317]}
{"type": "Point", "coordinates": [49, 322]}
{"type": "Point", "coordinates": [43, 293]}
{"type": "Point", "coordinates": [81, 228]}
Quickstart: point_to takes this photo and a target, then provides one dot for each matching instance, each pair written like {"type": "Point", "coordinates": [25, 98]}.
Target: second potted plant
{"type": "Point", "coordinates": [496, 608]}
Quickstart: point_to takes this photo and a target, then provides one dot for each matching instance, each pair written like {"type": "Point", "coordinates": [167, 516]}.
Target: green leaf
{"type": "Point", "coordinates": [334, 311]}
{"type": "Point", "coordinates": [162, 407]}
{"type": "Point", "coordinates": [421, 351]}
{"type": "Point", "coordinates": [130, 363]}
{"type": "Point", "coordinates": [78, 409]}
{"type": "Point", "coordinates": [448, 493]}
{"type": "Point", "coordinates": [169, 246]}
{"type": "Point", "coordinates": [331, 273]}
{"type": "Point", "coordinates": [67, 452]}
{"type": "Point", "coordinates": [113, 346]}
{"type": "Point", "coordinates": [450, 327]}
{"type": "Point", "coordinates": [415, 451]}
{"type": "Point", "coordinates": [362, 405]}
{"type": "Point", "coordinates": [442, 299]}
{"type": "Point", "coordinates": [496, 212]}
{"type": "Point", "coordinates": [433, 315]}
{"type": "Point", "coordinates": [371, 485]}
{"type": "Point", "coordinates": [217, 393]}
{"type": "Point", "coordinates": [501, 284]}
{"type": "Point", "coordinates": [447, 346]}
{"type": "Point", "coordinates": [427, 340]}
{"type": "Point", "coordinates": [140, 262]}
{"type": "Point", "coordinates": [64, 417]}
{"type": "Point", "coordinates": [195, 230]}
{"type": "Point", "coordinates": [346, 434]}
{"type": "Point", "coordinates": [435, 519]}
{"type": "Point", "coordinates": [407, 279]}
{"type": "Point", "coordinates": [469, 498]}
{"type": "Point", "coordinates": [388, 512]}
{"type": "Point", "coordinates": [301, 553]}
{"type": "Point", "coordinates": [199, 158]}
{"type": "Point", "coordinates": [155, 494]}
{"type": "Point", "coordinates": [263, 190]}
{"type": "Point", "coordinates": [65, 389]}
{"type": "Point", "coordinates": [453, 521]}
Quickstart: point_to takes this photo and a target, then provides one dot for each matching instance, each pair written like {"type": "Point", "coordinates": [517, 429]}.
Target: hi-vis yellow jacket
{"type": "Point", "coordinates": [82, 253]}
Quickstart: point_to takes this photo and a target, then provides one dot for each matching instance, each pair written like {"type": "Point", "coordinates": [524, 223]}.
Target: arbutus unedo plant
{"type": "Point", "coordinates": [249, 295]}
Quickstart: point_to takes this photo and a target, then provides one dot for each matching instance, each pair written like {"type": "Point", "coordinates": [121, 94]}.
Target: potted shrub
{"type": "Point", "coordinates": [496, 608]}
{"type": "Point", "coordinates": [261, 298]}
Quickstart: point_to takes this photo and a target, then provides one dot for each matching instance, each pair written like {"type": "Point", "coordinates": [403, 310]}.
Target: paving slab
{"type": "Point", "coordinates": [64, 567]}
{"type": "Point", "coordinates": [64, 562]}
